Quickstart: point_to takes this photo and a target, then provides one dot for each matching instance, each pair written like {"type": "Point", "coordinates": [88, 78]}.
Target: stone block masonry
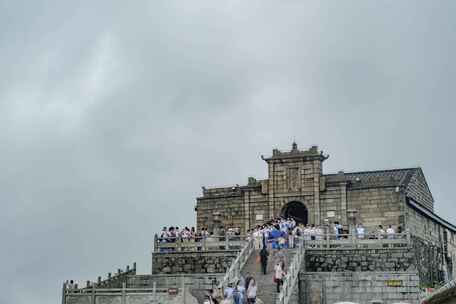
{"type": "Point", "coordinates": [193, 262]}
{"type": "Point", "coordinates": [388, 259]}
{"type": "Point", "coordinates": [359, 287]}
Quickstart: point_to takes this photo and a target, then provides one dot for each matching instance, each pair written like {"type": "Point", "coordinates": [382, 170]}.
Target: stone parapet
{"type": "Point", "coordinates": [193, 262]}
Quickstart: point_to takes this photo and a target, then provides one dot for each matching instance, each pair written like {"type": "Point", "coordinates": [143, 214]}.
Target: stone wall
{"type": "Point", "coordinates": [192, 262]}
{"type": "Point", "coordinates": [220, 207]}
{"type": "Point", "coordinates": [388, 259]}
{"type": "Point", "coordinates": [334, 203]}
{"type": "Point", "coordinates": [433, 242]}
{"type": "Point", "coordinates": [245, 207]}
{"type": "Point", "coordinates": [358, 287]}
{"type": "Point", "coordinates": [377, 206]}
{"type": "Point", "coordinates": [418, 190]}
{"type": "Point", "coordinates": [422, 226]}
{"type": "Point", "coordinates": [429, 259]}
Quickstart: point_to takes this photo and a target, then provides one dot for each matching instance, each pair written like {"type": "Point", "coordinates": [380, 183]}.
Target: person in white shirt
{"type": "Point", "coordinates": [306, 233]}
{"type": "Point", "coordinates": [257, 238]}
{"type": "Point", "coordinates": [360, 231]}
{"type": "Point", "coordinates": [380, 232]}
{"type": "Point", "coordinates": [390, 232]}
{"type": "Point", "coordinates": [164, 235]}
{"type": "Point", "coordinates": [70, 285]}
{"type": "Point", "coordinates": [204, 233]}
{"type": "Point", "coordinates": [278, 275]}
{"type": "Point", "coordinates": [319, 234]}
{"type": "Point", "coordinates": [312, 232]}
{"type": "Point", "coordinates": [252, 292]}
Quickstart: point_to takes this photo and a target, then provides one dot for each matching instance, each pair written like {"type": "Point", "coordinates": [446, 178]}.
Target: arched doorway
{"type": "Point", "coordinates": [297, 211]}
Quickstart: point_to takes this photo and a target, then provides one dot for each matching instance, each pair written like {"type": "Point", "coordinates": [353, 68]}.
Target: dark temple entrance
{"type": "Point", "coordinates": [297, 211]}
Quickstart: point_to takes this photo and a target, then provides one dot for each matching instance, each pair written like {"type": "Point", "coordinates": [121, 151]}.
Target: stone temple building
{"type": "Point", "coordinates": [297, 187]}
{"type": "Point", "coordinates": [393, 269]}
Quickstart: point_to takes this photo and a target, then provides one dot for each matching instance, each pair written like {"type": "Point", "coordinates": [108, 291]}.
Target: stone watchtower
{"type": "Point", "coordinates": [294, 183]}
{"type": "Point", "coordinates": [292, 189]}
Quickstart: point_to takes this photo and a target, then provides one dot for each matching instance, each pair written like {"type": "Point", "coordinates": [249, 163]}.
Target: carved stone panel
{"type": "Point", "coordinates": [293, 179]}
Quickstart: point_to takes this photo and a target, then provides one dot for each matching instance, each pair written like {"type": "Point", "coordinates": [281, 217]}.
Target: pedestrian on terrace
{"type": "Point", "coordinates": [390, 232]}
{"type": "Point", "coordinates": [239, 293]}
{"type": "Point", "coordinates": [279, 273]}
{"type": "Point", "coordinates": [360, 231]}
{"type": "Point", "coordinates": [291, 237]}
{"type": "Point", "coordinates": [380, 232]}
{"type": "Point", "coordinates": [252, 292]}
{"type": "Point", "coordinates": [264, 259]}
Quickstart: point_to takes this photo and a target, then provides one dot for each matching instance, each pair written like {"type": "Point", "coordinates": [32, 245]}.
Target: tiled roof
{"type": "Point", "coordinates": [374, 179]}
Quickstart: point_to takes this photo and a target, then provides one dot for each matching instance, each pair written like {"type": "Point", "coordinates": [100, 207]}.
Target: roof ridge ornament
{"type": "Point", "coordinates": [310, 153]}
{"type": "Point", "coordinates": [294, 147]}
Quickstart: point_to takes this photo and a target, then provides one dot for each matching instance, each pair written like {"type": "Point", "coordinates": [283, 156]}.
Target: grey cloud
{"type": "Point", "coordinates": [114, 115]}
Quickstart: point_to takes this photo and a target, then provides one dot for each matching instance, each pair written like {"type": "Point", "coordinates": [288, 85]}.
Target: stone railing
{"type": "Point", "coordinates": [150, 288]}
{"type": "Point", "coordinates": [350, 241]}
{"type": "Point", "coordinates": [111, 281]}
{"type": "Point", "coordinates": [122, 295]}
{"type": "Point", "coordinates": [292, 274]}
{"type": "Point", "coordinates": [234, 272]}
{"type": "Point", "coordinates": [226, 242]}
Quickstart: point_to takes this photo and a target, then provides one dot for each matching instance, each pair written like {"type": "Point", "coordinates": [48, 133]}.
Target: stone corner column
{"type": "Point", "coordinates": [316, 192]}
{"type": "Point", "coordinates": [343, 203]}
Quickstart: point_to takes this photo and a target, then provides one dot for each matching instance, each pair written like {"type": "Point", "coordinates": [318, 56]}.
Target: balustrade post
{"type": "Point", "coordinates": [183, 288]}
{"type": "Point", "coordinates": [64, 287]}
{"type": "Point", "coordinates": [227, 246]}
{"type": "Point", "coordinates": [154, 291]}
{"type": "Point", "coordinates": [92, 298]}
{"type": "Point", "coordinates": [123, 299]}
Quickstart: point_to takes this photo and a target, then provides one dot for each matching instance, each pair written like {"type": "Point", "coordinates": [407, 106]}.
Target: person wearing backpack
{"type": "Point", "coordinates": [238, 293]}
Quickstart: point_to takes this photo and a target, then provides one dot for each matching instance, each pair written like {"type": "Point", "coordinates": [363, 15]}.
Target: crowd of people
{"type": "Point", "coordinates": [379, 233]}
{"type": "Point", "coordinates": [174, 234]}
{"type": "Point", "coordinates": [279, 233]}
{"type": "Point", "coordinates": [276, 236]}
{"type": "Point", "coordinates": [283, 233]}
{"type": "Point", "coordinates": [241, 291]}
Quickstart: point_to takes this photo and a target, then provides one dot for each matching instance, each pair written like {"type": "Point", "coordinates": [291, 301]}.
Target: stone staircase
{"type": "Point", "coordinates": [267, 291]}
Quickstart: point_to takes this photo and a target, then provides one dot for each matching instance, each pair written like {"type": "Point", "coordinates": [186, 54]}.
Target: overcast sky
{"type": "Point", "coordinates": [114, 114]}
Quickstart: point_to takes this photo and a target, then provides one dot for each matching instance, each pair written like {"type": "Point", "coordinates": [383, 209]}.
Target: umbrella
{"type": "Point", "coordinates": [275, 234]}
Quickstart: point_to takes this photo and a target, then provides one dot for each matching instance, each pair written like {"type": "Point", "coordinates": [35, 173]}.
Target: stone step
{"type": "Point", "coordinates": [266, 287]}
